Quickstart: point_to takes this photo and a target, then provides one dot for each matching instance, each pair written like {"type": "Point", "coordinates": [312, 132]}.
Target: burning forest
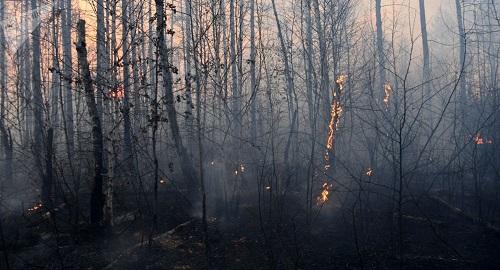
{"type": "Point", "coordinates": [245, 134]}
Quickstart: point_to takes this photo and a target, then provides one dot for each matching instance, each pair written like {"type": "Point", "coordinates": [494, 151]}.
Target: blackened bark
{"type": "Point", "coordinates": [97, 195]}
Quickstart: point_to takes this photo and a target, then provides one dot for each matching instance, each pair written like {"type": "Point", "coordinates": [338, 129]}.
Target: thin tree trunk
{"type": "Point", "coordinates": [380, 49]}
{"type": "Point", "coordinates": [66, 19]}
{"type": "Point", "coordinates": [127, 125]}
{"type": "Point", "coordinates": [253, 80]}
{"type": "Point", "coordinates": [5, 136]}
{"type": "Point", "coordinates": [324, 70]}
{"type": "Point", "coordinates": [54, 116]}
{"type": "Point", "coordinates": [462, 60]}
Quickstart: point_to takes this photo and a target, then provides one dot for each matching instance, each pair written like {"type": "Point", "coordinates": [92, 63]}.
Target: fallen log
{"type": "Point", "coordinates": [463, 214]}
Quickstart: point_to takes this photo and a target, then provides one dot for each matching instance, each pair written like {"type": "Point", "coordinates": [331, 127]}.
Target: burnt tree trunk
{"type": "Point", "coordinates": [97, 195]}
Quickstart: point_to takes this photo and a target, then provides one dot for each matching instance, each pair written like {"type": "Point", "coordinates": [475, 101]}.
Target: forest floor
{"type": "Point", "coordinates": [438, 239]}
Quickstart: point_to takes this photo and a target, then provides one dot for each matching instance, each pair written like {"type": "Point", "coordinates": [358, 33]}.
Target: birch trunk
{"type": "Point", "coordinates": [380, 50]}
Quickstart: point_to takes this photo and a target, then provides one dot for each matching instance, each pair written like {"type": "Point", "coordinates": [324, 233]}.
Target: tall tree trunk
{"type": "Point", "coordinates": [324, 70]}
{"type": "Point", "coordinates": [426, 69]}
{"type": "Point", "coordinates": [234, 67]}
{"type": "Point", "coordinates": [54, 116]}
{"type": "Point", "coordinates": [253, 80]}
{"type": "Point", "coordinates": [425, 47]}
{"type": "Point", "coordinates": [380, 50]}
{"type": "Point", "coordinates": [66, 19]}
{"type": "Point", "coordinates": [462, 59]}
{"type": "Point", "coordinates": [188, 38]}
{"type": "Point", "coordinates": [165, 66]}
{"type": "Point", "coordinates": [289, 84]}
{"type": "Point", "coordinates": [101, 56]}
{"type": "Point", "coordinates": [38, 107]}
{"type": "Point", "coordinates": [27, 80]}
{"type": "Point", "coordinates": [5, 136]}
{"type": "Point", "coordinates": [97, 195]}
{"type": "Point", "coordinates": [127, 125]}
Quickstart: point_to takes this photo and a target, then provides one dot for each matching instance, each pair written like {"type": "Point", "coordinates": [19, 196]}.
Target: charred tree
{"type": "Point", "coordinates": [97, 195]}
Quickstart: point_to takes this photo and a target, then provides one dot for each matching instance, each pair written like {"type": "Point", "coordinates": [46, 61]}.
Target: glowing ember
{"type": "Point", "coordinates": [163, 181]}
{"type": "Point", "coordinates": [325, 192]}
{"type": "Point", "coordinates": [35, 207]}
{"type": "Point", "coordinates": [236, 172]}
{"type": "Point", "coordinates": [268, 188]}
{"type": "Point", "coordinates": [387, 93]}
{"type": "Point", "coordinates": [116, 93]}
{"type": "Point", "coordinates": [479, 140]}
{"type": "Point", "coordinates": [242, 168]}
{"type": "Point", "coordinates": [212, 163]}
{"type": "Point", "coordinates": [369, 172]}
{"type": "Point", "coordinates": [341, 79]}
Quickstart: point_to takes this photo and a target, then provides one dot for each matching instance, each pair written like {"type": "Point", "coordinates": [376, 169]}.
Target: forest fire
{"type": "Point", "coordinates": [249, 134]}
{"type": "Point", "coordinates": [387, 93]}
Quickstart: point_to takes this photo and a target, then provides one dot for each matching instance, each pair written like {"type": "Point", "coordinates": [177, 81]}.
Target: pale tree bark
{"type": "Point", "coordinates": [289, 83]}
{"type": "Point", "coordinates": [234, 68]}
{"type": "Point", "coordinates": [324, 70]}
{"type": "Point", "coordinates": [101, 55]}
{"type": "Point", "coordinates": [97, 195]}
{"type": "Point", "coordinates": [462, 57]}
{"type": "Point", "coordinates": [379, 93]}
{"type": "Point", "coordinates": [253, 79]}
{"type": "Point", "coordinates": [311, 103]}
{"type": "Point", "coordinates": [27, 82]}
{"type": "Point", "coordinates": [425, 49]}
{"type": "Point", "coordinates": [134, 54]}
{"type": "Point", "coordinates": [426, 69]}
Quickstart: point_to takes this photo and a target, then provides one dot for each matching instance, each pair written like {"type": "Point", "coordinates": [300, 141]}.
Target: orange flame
{"type": "Point", "coordinates": [332, 126]}
{"type": "Point", "coordinates": [325, 192]}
